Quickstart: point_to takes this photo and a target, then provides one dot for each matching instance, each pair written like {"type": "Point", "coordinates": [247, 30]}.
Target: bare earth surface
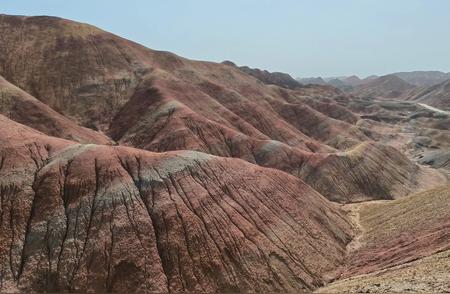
{"type": "Point", "coordinates": [126, 169]}
{"type": "Point", "coordinates": [85, 217]}
{"type": "Point", "coordinates": [428, 275]}
{"type": "Point", "coordinates": [402, 245]}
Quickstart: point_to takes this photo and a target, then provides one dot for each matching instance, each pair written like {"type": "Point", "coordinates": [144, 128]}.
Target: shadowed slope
{"type": "Point", "coordinates": [271, 78]}
{"type": "Point", "coordinates": [23, 108]}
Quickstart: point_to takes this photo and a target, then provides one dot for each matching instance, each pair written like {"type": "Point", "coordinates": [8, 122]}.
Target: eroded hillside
{"type": "Point", "coordinates": [128, 169]}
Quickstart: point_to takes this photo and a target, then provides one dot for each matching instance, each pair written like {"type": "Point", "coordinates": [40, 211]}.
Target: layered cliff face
{"type": "Point", "coordinates": [85, 217]}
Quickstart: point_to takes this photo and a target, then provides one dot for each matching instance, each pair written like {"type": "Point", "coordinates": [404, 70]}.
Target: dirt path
{"type": "Point", "coordinates": [353, 213]}
{"type": "Point", "coordinates": [434, 108]}
{"type": "Point", "coordinates": [352, 210]}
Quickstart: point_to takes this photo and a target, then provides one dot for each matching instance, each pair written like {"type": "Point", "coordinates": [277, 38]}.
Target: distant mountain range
{"type": "Point", "coordinates": [423, 78]}
{"type": "Point", "coordinates": [269, 78]}
{"type": "Point", "coordinates": [389, 86]}
{"type": "Point", "coordinates": [314, 81]}
{"type": "Point", "coordinates": [416, 78]}
{"type": "Point", "coordinates": [430, 87]}
{"type": "Point", "coordinates": [437, 95]}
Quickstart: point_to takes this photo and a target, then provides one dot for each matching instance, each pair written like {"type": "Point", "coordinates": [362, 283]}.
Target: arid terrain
{"type": "Point", "coordinates": [127, 169]}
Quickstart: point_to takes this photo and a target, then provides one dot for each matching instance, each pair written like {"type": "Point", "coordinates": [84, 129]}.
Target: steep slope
{"type": "Point", "coordinates": [340, 84]}
{"type": "Point", "coordinates": [270, 78]}
{"type": "Point", "coordinates": [437, 95]}
{"type": "Point", "coordinates": [394, 179]}
{"type": "Point", "coordinates": [373, 171]}
{"type": "Point", "coordinates": [423, 78]}
{"type": "Point", "coordinates": [312, 81]}
{"type": "Point", "coordinates": [85, 217]}
{"type": "Point", "coordinates": [352, 81]}
{"type": "Point", "coordinates": [74, 68]}
{"type": "Point", "coordinates": [389, 86]}
{"type": "Point", "coordinates": [102, 72]}
{"type": "Point", "coordinates": [21, 107]}
{"type": "Point", "coordinates": [158, 101]}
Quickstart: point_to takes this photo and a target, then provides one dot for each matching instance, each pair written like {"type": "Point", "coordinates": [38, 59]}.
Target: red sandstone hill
{"type": "Point", "coordinates": [352, 80]}
{"type": "Point", "coordinates": [22, 107]}
{"type": "Point", "coordinates": [158, 101]}
{"type": "Point", "coordinates": [423, 78]}
{"type": "Point", "coordinates": [389, 86]}
{"type": "Point", "coordinates": [85, 217]}
{"type": "Point", "coordinates": [271, 78]}
{"type": "Point", "coordinates": [221, 182]}
{"type": "Point", "coordinates": [437, 95]}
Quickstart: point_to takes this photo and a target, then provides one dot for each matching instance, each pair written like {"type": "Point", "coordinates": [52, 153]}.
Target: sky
{"type": "Point", "coordinates": [303, 38]}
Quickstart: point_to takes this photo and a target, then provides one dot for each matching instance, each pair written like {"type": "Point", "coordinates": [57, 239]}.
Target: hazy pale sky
{"type": "Point", "coordinates": [302, 38]}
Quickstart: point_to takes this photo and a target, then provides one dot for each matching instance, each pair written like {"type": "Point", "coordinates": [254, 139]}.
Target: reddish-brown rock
{"type": "Point", "coordinates": [80, 215]}
{"type": "Point", "coordinates": [388, 86]}
{"type": "Point", "coordinates": [84, 217]}
{"type": "Point", "coordinates": [23, 108]}
{"type": "Point", "coordinates": [158, 101]}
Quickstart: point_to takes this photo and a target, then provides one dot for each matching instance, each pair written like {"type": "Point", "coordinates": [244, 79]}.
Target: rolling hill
{"type": "Point", "coordinates": [127, 169]}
